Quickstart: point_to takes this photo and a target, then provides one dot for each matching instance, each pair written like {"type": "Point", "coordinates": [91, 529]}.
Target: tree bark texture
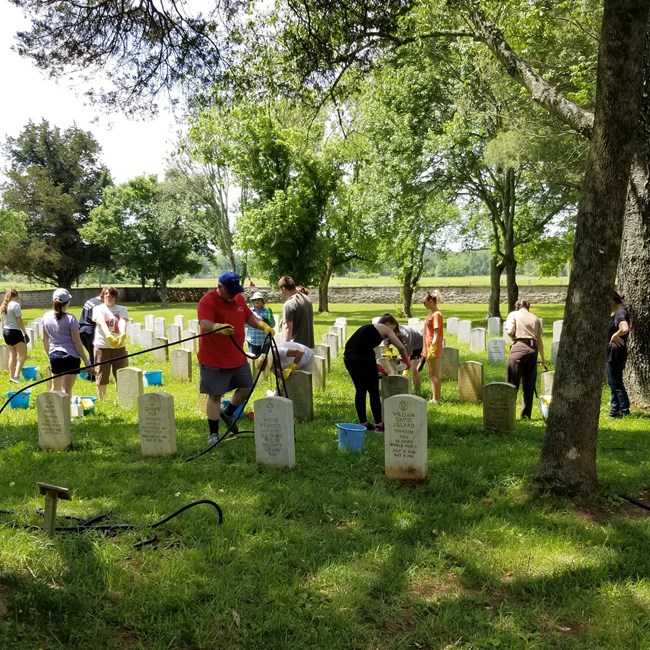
{"type": "Point", "coordinates": [323, 287]}
{"type": "Point", "coordinates": [496, 269]}
{"type": "Point", "coordinates": [407, 296]}
{"type": "Point", "coordinates": [568, 458]}
{"type": "Point", "coordinates": [634, 266]}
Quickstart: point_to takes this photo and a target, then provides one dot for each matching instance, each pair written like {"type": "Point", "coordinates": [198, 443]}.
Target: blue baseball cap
{"type": "Point", "coordinates": [230, 282]}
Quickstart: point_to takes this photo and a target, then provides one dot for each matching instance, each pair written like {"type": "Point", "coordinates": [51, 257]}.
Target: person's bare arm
{"type": "Point", "coordinates": [78, 345]}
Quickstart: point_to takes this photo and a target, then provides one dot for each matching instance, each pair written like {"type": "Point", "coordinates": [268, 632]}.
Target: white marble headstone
{"type": "Point", "coordinates": [555, 346]}
{"type": "Point", "coordinates": [496, 349]}
{"type": "Point", "coordinates": [323, 350]}
{"type": "Point", "coordinates": [452, 326]}
{"type": "Point", "coordinates": [477, 339]}
{"type": "Point", "coordinates": [557, 329]}
{"type": "Point", "coordinates": [146, 338]}
{"type": "Point", "coordinates": [494, 326]}
{"type": "Point", "coordinates": [173, 333]}
{"type": "Point", "coordinates": [4, 358]}
{"type": "Point", "coordinates": [136, 330]}
{"type": "Point", "coordinates": [157, 424]}
{"type": "Point", "coordinates": [191, 345]}
{"type": "Point", "coordinates": [333, 341]}
{"type": "Point", "coordinates": [54, 421]}
{"type": "Point", "coordinates": [159, 327]}
{"type": "Point", "coordinates": [181, 364]}
{"type": "Point", "coordinates": [179, 320]}
{"type": "Point", "coordinates": [149, 321]}
{"type": "Point", "coordinates": [130, 385]}
{"type": "Point", "coordinates": [546, 383]}
{"type": "Point", "coordinates": [274, 438]}
{"type": "Point", "coordinates": [319, 372]}
{"type": "Point", "coordinates": [464, 329]}
{"type": "Point", "coordinates": [162, 354]}
{"type": "Point", "coordinates": [301, 392]}
{"type": "Point", "coordinates": [405, 437]}
{"type": "Point", "coordinates": [193, 325]}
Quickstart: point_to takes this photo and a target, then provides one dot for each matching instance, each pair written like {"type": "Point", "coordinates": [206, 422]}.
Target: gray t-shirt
{"type": "Point", "coordinates": [10, 321]}
{"type": "Point", "coordinates": [59, 333]}
{"type": "Point", "coordinates": [411, 338]}
{"type": "Point", "coordinates": [299, 311]}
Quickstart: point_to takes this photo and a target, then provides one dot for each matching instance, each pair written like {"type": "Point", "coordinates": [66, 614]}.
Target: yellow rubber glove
{"type": "Point", "coordinates": [288, 370]}
{"type": "Point", "coordinates": [227, 329]}
{"type": "Point", "coordinates": [113, 340]}
{"type": "Point", "coordinates": [432, 351]}
{"type": "Point", "coordinates": [121, 340]}
{"type": "Point", "coordinates": [388, 352]}
{"type": "Point", "coordinates": [266, 328]}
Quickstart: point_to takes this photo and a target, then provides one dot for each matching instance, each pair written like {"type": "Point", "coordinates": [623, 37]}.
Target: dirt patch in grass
{"type": "Point", "coordinates": [432, 588]}
{"type": "Point", "coordinates": [601, 514]}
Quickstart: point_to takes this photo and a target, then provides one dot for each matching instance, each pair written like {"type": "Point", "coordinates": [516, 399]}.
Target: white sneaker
{"type": "Point", "coordinates": [212, 438]}
{"type": "Point", "coordinates": [14, 380]}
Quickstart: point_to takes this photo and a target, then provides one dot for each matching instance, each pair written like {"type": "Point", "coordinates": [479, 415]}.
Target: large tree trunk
{"type": "Point", "coordinates": [407, 294]}
{"type": "Point", "coordinates": [323, 287]}
{"type": "Point", "coordinates": [163, 291]}
{"type": "Point", "coordinates": [494, 305]}
{"type": "Point", "coordinates": [509, 258]}
{"type": "Point", "coordinates": [568, 459]}
{"type": "Point", "coordinates": [634, 267]}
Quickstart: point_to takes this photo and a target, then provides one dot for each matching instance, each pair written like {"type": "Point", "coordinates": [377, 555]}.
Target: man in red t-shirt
{"type": "Point", "coordinates": [223, 367]}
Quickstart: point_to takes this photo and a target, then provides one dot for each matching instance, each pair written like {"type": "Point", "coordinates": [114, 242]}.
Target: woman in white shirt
{"type": "Point", "coordinates": [14, 333]}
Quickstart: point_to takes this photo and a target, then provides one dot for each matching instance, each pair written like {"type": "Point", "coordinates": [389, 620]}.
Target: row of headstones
{"type": "Point", "coordinates": [405, 435]}
{"type": "Point", "coordinates": [476, 337]}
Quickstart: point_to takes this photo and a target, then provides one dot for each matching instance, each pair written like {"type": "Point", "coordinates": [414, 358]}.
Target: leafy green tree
{"type": "Point", "coordinates": [12, 230]}
{"type": "Point", "coordinates": [55, 178]}
{"type": "Point", "coordinates": [202, 175]}
{"type": "Point", "coordinates": [147, 227]}
{"type": "Point", "coordinates": [295, 218]}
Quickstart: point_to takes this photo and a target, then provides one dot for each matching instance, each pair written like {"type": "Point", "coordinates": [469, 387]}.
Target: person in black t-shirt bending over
{"type": "Point", "coordinates": [361, 363]}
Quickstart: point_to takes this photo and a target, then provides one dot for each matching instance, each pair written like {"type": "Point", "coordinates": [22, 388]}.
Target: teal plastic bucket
{"type": "Point", "coordinates": [93, 399]}
{"type": "Point", "coordinates": [20, 402]}
{"type": "Point", "coordinates": [29, 372]}
{"type": "Point", "coordinates": [153, 377]}
{"type": "Point", "coordinates": [350, 436]}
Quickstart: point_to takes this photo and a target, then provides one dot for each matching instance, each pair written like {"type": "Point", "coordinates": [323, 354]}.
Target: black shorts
{"type": "Point", "coordinates": [416, 354]}
{"type": "Point", "coordinates": [59, 364]}
{"type": "Point", "coordinates": [12, 337]}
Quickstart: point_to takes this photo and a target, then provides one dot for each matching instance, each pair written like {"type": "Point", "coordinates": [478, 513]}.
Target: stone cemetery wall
{"type": "Point", "coordinates": [387, 295]}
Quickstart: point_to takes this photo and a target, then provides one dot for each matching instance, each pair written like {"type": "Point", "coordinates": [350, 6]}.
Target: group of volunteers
{"type": "Point", "coordinates": [97, 337]}
{"type": "Point", "coordinates": [97, 340]}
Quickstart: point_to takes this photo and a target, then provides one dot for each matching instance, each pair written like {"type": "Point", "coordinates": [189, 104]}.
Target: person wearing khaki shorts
{"type": "Point", "coordinates": [110, 335]}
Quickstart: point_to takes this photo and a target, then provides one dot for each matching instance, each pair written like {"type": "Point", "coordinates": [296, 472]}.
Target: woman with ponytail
{"type": "Point", "coordinates": [14, 333]}
{"type": "Point", "coordinates": [62, 342]}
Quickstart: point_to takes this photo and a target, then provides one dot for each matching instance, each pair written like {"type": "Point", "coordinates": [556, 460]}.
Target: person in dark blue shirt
{"type": "Point", "coordinates": [619, 329]}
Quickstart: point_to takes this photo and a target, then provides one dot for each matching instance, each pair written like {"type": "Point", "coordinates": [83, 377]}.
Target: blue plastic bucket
{"type": "Point", "coordinates": [350, 436]}
{"type": "Point", "coordinates": [20, 402]}
{"type": "Point", "coordinates": [153, 377]}
{"type": "Point", "coordinates": [83, 375]}
{"type": "Point", "coordinates": [238, 411]}
{"type": "Point", "coordinates": [29, 372]}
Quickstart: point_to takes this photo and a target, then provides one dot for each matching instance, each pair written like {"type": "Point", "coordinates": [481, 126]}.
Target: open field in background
{"type": "Point", "coordinates": [426, 283]}
{"type": "Point", "coordinates": [332, 554]}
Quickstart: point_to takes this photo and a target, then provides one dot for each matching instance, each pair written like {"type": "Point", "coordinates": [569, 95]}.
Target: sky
{"type": "Point", "coordinates": [130, 147]}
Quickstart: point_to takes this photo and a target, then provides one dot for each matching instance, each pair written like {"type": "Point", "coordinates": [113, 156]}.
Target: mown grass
{"type": "Point", "coordinates": [330, 554]}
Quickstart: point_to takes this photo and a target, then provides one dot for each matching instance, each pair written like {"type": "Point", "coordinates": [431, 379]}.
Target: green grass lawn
{"type": "Point", "coordinates": [331, 554]}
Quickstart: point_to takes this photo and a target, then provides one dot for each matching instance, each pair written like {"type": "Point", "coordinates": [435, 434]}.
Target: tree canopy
{"type": "Point", "coordinates": [55, 178]}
